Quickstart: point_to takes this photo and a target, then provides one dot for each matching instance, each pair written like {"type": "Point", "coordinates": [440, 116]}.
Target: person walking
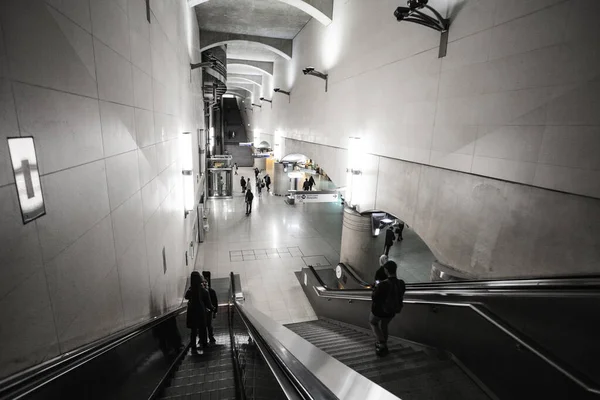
{"type": "Point", "coordinates": [268, 182]}
{"type": "Point", "coordinates": [235, 168]}
{"type": "Point", "coordinates": [249, 198]}
{"type": "Point", "coordinates": [243, 184]}
{"type": "Point", "coordinates": [259, 186]}
{"type": "Point", "coordinates": [389, 241]}
{"type": "Point", "coordinates": [248, 183]}
{"type": "Point", "coordinates": [305, 185]}
{"type": "Point", "coordinates": [399, 230]}
{"type": "Point", "coordinates": [256, 172]}
{"type": "Point", "coordinates": [386, 303]}
{"type": "Point", "coordinates": [196, 312]}
{"type": "Point", "coordinates": [311, 182]}
{"type": "Point", "coordinates": [210, 312]}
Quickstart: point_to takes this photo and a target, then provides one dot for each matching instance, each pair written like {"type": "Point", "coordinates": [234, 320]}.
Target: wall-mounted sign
{"type": "Point", "coordinates": [27, 177]}
{"type": "Point", "coordinates": [246, 144]}
{"type": "Point", "coordinates": [307, 197]}
{"type": "Point", "coordinates": [261, 155]}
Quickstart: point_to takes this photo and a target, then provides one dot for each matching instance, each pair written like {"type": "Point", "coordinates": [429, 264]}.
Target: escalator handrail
{"type": "Point", "coordinates": [302, 383]}
{"type": "Point", "coordinates": [547, 286]}
{"type": "Point", "coordinates": [29, 380]}
{"type": "Point", "coordinates": [413, 298]}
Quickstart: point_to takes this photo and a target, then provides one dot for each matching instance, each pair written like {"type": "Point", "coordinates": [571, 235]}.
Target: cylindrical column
{"type": "Point", "coordinates": [281, 182]}
{"type": "Point", "coordinates": [359, 248]}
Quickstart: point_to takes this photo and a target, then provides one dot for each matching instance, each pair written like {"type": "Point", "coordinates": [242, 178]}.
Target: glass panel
{"type": "Point", "coordinates": [257, 379]}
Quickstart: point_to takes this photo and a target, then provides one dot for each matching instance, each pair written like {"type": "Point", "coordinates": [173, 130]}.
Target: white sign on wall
{"type": "Point", "coordinates": [307, 197]}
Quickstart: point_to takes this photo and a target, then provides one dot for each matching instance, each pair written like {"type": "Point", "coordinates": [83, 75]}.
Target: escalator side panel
{"type": "Point", "coordinates": [128, 371]}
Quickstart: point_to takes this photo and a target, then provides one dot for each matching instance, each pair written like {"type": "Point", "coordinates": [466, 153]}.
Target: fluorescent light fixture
{"type": "Point", "coordinates": [188, 191]}
{"type": "Point", "coordinates": [27, 177]}
{"type": "Point", "coordinates": [353, 178]}
{"type": "Point", "coordinates": [187, 171]}
{"type": "Point", "coordinates": [387, 221]}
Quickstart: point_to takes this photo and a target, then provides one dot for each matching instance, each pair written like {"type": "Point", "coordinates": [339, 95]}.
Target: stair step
{"type": "Point", "coordinates": [332, 337]}
{"type": "Point", "coordinates": [408, 370]}
{"type": "Point", "coordinates": [369, 354]}
{"type": "Point", "coordinates": [363, 342]}
{"type": "Point", "coordinates": [387, 363]}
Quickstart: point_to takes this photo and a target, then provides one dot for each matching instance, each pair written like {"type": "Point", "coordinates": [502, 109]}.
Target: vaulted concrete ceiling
{"type": "Point", "coordinates": [257, 30]}
{"type": "Point", "coordinates": [268, 18]}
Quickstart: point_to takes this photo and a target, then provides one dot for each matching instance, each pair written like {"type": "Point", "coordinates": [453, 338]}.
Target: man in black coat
{"type": "Point", "coordinates": [243, 183]}
{"type": "Point", "coordinates": [268, 182]}
{"type": "Point", "coordinates": [249, 197]}
{"type": "Point", "coordinates": [196, 311]}
{"type": "Point", "coordinates": [311, 182]}
{"type": "Point", "coordinates": [209, 295]}
{"type": "Point", "coordinates": [387, 300]}
{"type": "Point", "coordinates": [389, 241]}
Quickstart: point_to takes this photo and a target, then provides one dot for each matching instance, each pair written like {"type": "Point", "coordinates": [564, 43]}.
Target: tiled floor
{"type": "Point", "coordinates": [277, 239]}
{"type": "Point", "coordinates": [267, 247]}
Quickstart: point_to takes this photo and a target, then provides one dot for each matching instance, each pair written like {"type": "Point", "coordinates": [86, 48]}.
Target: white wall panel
{"type": "Point", "coordinates": [115, 82]}
{"type": "Point", "coordinates": [66, 127]}
{"type": "Point", "coordinates": [76, 200]}
{"type": "Point", "coordinates": [123, 177]}
{"type": "Point", "coordinates": [118, 128]}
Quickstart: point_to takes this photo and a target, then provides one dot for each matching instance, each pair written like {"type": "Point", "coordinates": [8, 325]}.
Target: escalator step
{"type": "Point", "coordinates": [369, 354]}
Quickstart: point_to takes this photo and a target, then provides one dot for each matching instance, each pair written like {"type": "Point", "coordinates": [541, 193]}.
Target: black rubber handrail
{"type": "Point", "coordinates": [240, 392]}
{"type": "Point", "coordinates": [591, 285]}
{"type": "Point", "coordinates": [34, 378]}
{"type": "Point", "coordinates": [295, 379]}
{"type": "Point", "coordinates": [412, 296]}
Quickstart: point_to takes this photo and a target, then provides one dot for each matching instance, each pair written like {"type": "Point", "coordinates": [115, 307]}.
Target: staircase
{"type": "Point", "coordinates": [409, 371]}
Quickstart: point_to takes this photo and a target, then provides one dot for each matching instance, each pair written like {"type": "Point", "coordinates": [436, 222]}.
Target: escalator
{"type": "Point", "coordinates": [462, 340]}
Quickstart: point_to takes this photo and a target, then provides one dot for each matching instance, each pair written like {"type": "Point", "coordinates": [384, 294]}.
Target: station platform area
{"type": "Point", "coordinates": [277, 239]}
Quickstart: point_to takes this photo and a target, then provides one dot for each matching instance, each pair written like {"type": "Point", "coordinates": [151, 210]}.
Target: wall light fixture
{"type": "Point", "coordinates": [311, 71]}
{"type": "Point", "coordinates": [437, 22]}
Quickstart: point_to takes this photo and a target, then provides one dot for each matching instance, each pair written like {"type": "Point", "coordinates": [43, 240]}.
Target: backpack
{"type": "Point", "coordinates": [250, 196]}
{"type": "Point", "coordinates": [393, 300]}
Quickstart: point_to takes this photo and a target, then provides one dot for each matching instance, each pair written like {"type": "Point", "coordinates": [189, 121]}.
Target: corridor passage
{"type": "Point", "coordinates": [266, 248]}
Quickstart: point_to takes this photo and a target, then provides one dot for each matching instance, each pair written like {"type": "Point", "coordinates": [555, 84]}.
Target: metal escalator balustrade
{"type": "Point", "coordinates": [501, 330]}
{"type": "Point", "coordinates": [408, 371]}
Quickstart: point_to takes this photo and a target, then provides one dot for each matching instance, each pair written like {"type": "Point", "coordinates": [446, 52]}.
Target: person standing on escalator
{"type": "Point", "coordinates": [196, 312]}
{"type": "Point", "coordinates": [387, 298]}
{"type": "Point", "coordinates": [209, 298]}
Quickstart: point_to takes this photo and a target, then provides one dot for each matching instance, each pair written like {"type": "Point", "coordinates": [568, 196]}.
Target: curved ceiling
{"type": "Point", "coordinates": [268, 18]}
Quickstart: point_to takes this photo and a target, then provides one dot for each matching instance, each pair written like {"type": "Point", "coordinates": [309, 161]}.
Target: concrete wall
{"type": "Point", "coordinates": [106, 96]}
{"type": "Point", "coordinates": [483, 226]}
{"type": "Point", "coordinates": [464, 146]}
{"type": "Point", "coordinates": [515, 97]}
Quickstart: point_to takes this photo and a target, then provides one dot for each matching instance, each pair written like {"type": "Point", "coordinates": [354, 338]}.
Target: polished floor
{"type": "Point", "coordinates": [277, 239]}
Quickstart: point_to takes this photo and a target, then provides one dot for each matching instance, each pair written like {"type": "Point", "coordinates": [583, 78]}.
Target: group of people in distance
{"type": "Point", "coordinates": [308, 184]}
{"type": "Point", "coordinates": [202, 309]}
{"type": "Point", "coordinates": [261, 183]}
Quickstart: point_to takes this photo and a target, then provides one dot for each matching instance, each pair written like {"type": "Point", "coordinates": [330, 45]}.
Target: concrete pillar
{"type": "Point", "coordinates": [281, 182]}
{"type": "Point", "coordinates": [359, 249]}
